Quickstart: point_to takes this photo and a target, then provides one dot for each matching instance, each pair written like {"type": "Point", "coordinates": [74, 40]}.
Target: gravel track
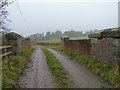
{"type": "Point", "coordinates": [37, 73]}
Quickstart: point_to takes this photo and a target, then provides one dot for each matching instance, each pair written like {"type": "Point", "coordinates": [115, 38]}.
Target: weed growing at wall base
{"type": "Point", "coordinates": [13, 68]}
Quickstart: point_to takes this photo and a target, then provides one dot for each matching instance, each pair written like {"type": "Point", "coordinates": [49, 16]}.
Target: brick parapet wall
{"type": "Point", "coordinates": [79, 45]}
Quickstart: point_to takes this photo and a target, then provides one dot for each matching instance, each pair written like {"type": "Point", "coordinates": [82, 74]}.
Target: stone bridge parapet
{"type": "Point", "coordinates": [106, 45]}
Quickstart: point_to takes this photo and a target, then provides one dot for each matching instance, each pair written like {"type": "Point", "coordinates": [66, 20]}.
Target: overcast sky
{"type": "Point", "coordinates": [41, 17]}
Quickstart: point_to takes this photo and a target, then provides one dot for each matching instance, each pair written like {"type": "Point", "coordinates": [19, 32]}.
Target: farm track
{"type": "Point", "coordinates": [37, 73]}
{"type": "Point", "coordinates": [79, 75]}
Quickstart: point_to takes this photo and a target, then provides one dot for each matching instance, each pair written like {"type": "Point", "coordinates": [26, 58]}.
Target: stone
{"type": "Point", "coordinates": [111, 33]}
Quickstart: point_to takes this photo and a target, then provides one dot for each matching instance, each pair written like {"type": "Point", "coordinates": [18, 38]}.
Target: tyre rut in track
{"type": "Point", "coordinates": [37, 73]}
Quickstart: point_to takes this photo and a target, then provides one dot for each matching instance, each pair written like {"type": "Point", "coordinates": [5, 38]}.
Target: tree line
{"type": "Point", "coordinates": [58, 34]}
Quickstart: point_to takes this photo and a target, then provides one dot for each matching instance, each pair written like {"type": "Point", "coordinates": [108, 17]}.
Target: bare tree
{"type": "Point", "coordinates": [3, 16]}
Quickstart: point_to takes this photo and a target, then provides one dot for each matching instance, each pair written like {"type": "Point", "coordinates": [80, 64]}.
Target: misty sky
{"type": "Point", "coordinates": [51, 16]}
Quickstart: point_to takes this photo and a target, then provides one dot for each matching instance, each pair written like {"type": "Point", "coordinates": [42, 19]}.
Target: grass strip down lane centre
{"type": "Point", "coordinates": [59, 74]}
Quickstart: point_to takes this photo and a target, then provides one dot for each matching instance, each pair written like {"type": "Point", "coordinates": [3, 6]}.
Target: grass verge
{"type": "Point", "coordinates": [13, 68]}
{"type": "Point", "coordinates": [109, 72]}
{"type": "Point", "coordinates": [59, 74]}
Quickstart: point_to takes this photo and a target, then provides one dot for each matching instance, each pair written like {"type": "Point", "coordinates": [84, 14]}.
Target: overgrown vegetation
{"type": "Point", "coordinates": [57, 70]}
{"type": "Point", "coordinates": [110, 73]}
{"type": "Point", "coordinates": [13, 68]}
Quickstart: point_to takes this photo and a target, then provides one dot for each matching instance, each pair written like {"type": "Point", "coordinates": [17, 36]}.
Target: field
{"type": "Point", "coordinates": [78, 38]}
{"type": "Point", "coordinates": [55, 41]}
{"type": "Point", "coordinates": [51, 41]}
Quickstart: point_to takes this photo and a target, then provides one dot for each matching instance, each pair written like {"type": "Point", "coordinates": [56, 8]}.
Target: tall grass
{"type": "Point", "coordinates": [13, 68]}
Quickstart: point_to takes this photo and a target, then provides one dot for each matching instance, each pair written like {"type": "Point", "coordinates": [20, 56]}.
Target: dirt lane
{"type": "Point", "coordinates": [78, 74]}
{"type": "Point", "coordinates": [37, 74]}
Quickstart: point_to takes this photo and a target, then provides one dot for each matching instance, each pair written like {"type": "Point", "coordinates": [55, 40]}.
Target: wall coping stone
{"type": "Point", "coordinates": [107, 33]}
{"type": "Point", "coordinates": [94, 35]}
